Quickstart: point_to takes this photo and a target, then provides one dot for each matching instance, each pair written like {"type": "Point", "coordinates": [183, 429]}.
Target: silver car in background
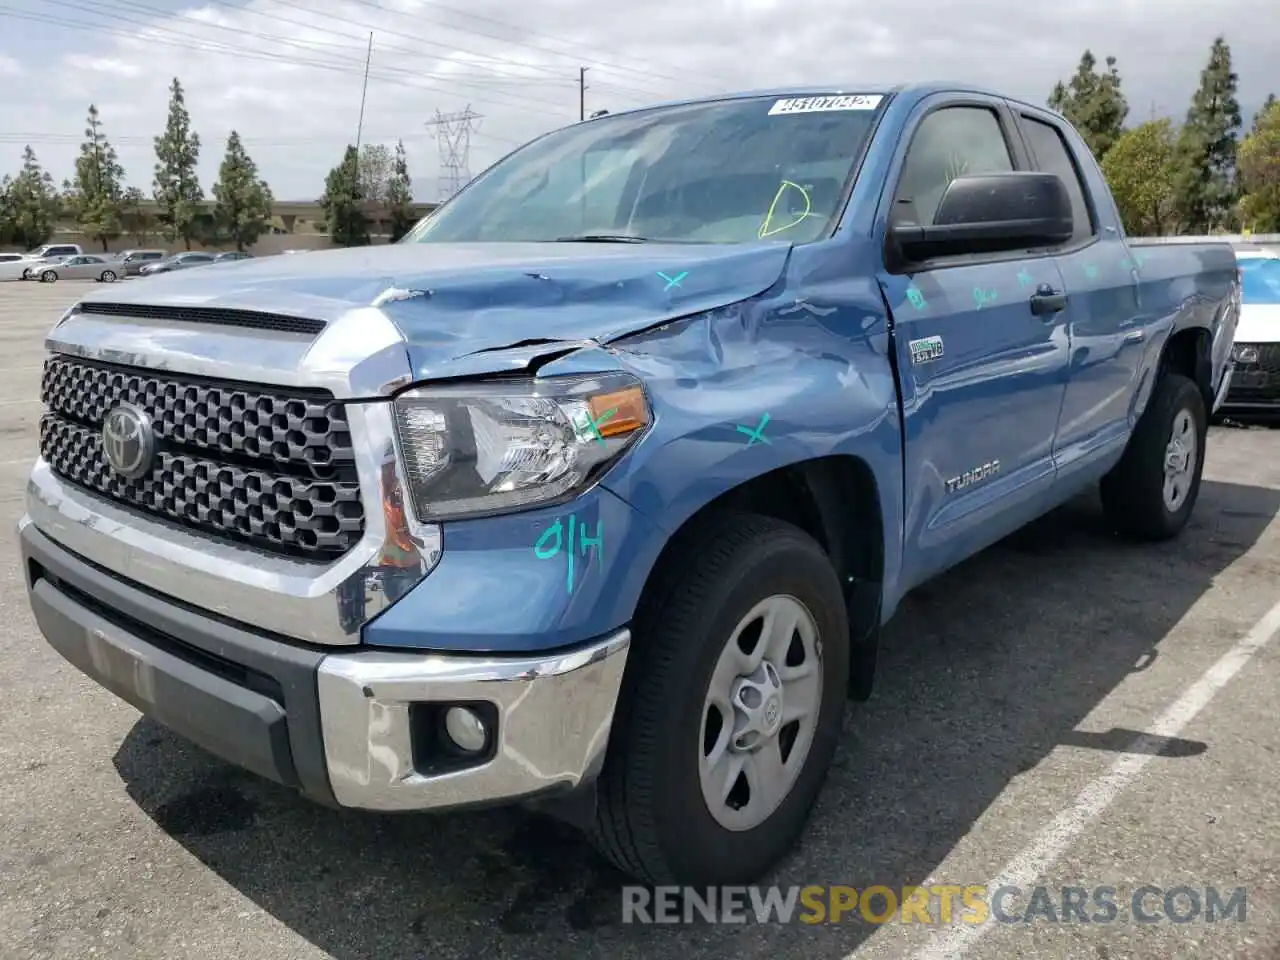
{"type": "Point", "coordinates": [134, 260]}
{"type": "Point", "coordinates": [179, 261]}
{"type": "Point", "coordinates": [84, 267]}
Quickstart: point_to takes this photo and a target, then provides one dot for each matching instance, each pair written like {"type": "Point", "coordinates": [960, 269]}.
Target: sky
{"type": "Point", "coordinates": [288, 74]}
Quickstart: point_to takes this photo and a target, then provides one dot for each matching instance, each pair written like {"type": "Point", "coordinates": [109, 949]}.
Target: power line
{"type": "Point", "coordinates": [418, 41]}
{"type": "Point", "coordinates": [385, 72]}
{"type": "Point", "coordinates": [136, 140]}
{"type": "Point", "coordinates": [682, 78]}
{"type": "Point", "coordinates": [454, 132]}
{"type": "Point", "coordinates": [390, 75]}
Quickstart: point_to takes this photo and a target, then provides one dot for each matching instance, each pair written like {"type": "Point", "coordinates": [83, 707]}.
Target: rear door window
{"type": "Point", "coordinates": [1052, 155]}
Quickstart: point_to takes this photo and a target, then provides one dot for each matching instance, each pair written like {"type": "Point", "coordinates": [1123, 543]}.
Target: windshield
{"type": "Point", "coordinates": [1261, 280]}
{"type": "Point", "coordinates": [730, 171]}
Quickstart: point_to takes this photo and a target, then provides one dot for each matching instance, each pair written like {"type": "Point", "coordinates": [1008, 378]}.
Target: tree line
{"type": "Point", "coordinates": [96, 198]}
{"type": "Point", "coordinates": [1197, 177]}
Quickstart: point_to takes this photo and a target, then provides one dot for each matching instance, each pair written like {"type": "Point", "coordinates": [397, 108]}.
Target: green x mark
{"type": "Point", "coordinates": [594, 425]}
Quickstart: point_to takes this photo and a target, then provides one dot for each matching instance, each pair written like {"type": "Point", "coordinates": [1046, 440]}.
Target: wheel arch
{"type": "Point", "coordinates": [1188, 351]}
{"type": "Point", "coordinates": [836, 500]}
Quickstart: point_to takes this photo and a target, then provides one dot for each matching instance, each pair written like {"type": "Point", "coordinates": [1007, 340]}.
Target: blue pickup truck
{"type": "Point", "coordinates": [594, 493]}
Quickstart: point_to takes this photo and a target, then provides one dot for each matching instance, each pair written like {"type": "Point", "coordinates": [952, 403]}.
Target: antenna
{"type": "Point", "coordinates": [453, 133]}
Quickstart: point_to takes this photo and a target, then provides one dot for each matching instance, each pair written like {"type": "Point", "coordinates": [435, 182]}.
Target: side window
{"type": "Point", "coordinates": [948, 143]}
{"type": "Point", "coordinates": [1053, 156]}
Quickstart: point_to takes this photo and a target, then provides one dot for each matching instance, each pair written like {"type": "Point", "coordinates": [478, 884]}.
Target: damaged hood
{"type": "Point", "coordinates": [454, 301]}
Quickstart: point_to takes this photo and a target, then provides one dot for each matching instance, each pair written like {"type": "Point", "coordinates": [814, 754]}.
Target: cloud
{"type": "Point", "coordinates": [287, 74]}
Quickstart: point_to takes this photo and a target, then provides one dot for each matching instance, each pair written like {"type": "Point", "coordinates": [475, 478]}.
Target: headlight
{"type": "Point", "coordinates": [489, 447]}
{"type": "Point", "coordinates": [1244, 353]}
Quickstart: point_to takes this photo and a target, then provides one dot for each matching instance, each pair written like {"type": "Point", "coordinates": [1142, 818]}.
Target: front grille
{"type": "Point", "coordinates": [1259, 380]}
{"type": "Point", "coordinates": [265, 466]}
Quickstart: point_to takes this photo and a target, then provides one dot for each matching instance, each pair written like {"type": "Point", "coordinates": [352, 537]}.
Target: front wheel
{"type": "Point", "coordinates": [1151, 492]}
{"type": "Point", "coordinates": [48, 277]}
{"type": "Point", "coordinates": [732, 707]}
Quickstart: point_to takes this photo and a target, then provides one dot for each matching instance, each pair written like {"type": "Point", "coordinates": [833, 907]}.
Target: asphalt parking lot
{"type": "Point", "coordinates": [1064, 710]}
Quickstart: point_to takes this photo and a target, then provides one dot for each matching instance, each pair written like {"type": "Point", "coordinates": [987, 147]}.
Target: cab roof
{"type": "Point", "coordinates": [915, 91]}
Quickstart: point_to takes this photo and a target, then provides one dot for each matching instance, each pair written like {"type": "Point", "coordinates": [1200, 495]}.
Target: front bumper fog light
{"type": "Point", "coordinates": [465, 729]}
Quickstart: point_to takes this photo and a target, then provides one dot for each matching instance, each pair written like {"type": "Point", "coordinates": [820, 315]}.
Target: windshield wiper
{"type": "Point", "coordinates": [601, 238]}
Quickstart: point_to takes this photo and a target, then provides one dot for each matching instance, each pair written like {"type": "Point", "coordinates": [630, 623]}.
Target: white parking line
{"type": "Point", "coordinates": [10, 403]}
{"type": "Point", "coordinates": [1052, 842]}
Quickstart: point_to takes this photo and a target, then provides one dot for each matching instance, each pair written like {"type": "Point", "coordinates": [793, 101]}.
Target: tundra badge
{"type": "Point", "coordinates": [926, 349]}
{"type": "Point", "coordinates": [970, 477]}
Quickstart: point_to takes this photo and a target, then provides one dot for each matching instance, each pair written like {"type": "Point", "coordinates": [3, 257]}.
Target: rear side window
{"type": "Point", "coordinates": [1053, 156]}
{"type": "Point", "coordinates": [950, 142]}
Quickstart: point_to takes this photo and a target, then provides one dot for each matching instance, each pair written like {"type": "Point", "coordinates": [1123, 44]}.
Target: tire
{"type": "Point", "coordinates": [1134, 492]}
{"type": "Point", "coordinates": [26, 274]}
{"type": "Point", "coordinates": [653, 820]}
{"type": "Point", "coordinates": [48, 277]}
{"type": "Point", "coordinates": [108, 276]}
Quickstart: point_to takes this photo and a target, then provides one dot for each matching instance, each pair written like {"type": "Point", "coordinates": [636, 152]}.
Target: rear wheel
{"type": "Point", "coordinates": [732, 707]}
{"type": "Point", "coordinates": [108, 276]}
{"type": "Point", "coordinates": [1151, 492]}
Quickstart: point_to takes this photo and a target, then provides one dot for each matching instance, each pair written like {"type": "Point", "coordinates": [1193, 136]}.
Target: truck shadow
{"type": "Point", "coordinates": [985, 671]}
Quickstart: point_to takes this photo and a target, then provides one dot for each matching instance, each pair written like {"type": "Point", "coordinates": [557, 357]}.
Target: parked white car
{"type": "Point", "coordinates": [86, 267]}
{"type": "Point", "coordinates": [21, 268]}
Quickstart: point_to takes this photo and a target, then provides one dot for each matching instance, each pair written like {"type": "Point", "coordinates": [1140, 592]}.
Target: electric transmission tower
{"type": "Point", "coordinates": [453, 134]}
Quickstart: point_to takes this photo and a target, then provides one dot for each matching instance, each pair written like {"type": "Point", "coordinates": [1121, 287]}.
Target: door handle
{"type": "Point", "coordinates": [1045, 303]}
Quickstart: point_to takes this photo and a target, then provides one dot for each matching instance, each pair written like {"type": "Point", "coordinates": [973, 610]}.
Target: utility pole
{"type": "Point", "coordinates": [365, 91]}
{"type": "Point", "coordinates": [582, 93]}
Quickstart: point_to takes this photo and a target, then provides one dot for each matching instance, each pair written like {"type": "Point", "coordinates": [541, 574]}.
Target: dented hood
{"type": "Point", "coordinates": [452, 301]}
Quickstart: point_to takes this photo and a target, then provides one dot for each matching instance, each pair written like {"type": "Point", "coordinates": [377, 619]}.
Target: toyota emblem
{"type": "Point", "coordinates": [129, 441]}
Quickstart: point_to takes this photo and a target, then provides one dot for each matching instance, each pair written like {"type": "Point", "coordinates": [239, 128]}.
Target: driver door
{"type": "Point", "coordinates": [982, 377]}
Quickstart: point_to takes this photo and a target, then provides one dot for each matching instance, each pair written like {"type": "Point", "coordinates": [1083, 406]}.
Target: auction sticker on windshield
{"type": "Point", "coordinates": [821, 104]}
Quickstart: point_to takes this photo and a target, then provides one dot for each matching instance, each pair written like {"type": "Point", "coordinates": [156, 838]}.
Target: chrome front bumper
{"type": "Point", "coordinates": [348, 727]}
{"type": "Point", "coordinates": [553, 719]}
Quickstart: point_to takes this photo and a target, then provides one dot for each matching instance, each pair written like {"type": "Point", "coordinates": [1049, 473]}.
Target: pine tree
{"type": "Point", "coordinates": [1094, 103]}
{"type": "Point", "coordinates": [400, 194]}
{"type": "Point", "coordinates": [343, 216]}
{"type": "Point", "coordinates": [1207, 147]}
{"type": "Point", "coordinates": [242, 208]}
{"type": "Point", "coordinates": [96, 194]}
{"type": "Point", "coordinates": [28, 204]}
{"type": "Point", "coordinates": [177, 187]}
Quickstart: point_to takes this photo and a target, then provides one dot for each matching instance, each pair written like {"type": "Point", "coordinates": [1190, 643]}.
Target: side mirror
{"type": "Point", "coordinates": [991, 213]}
